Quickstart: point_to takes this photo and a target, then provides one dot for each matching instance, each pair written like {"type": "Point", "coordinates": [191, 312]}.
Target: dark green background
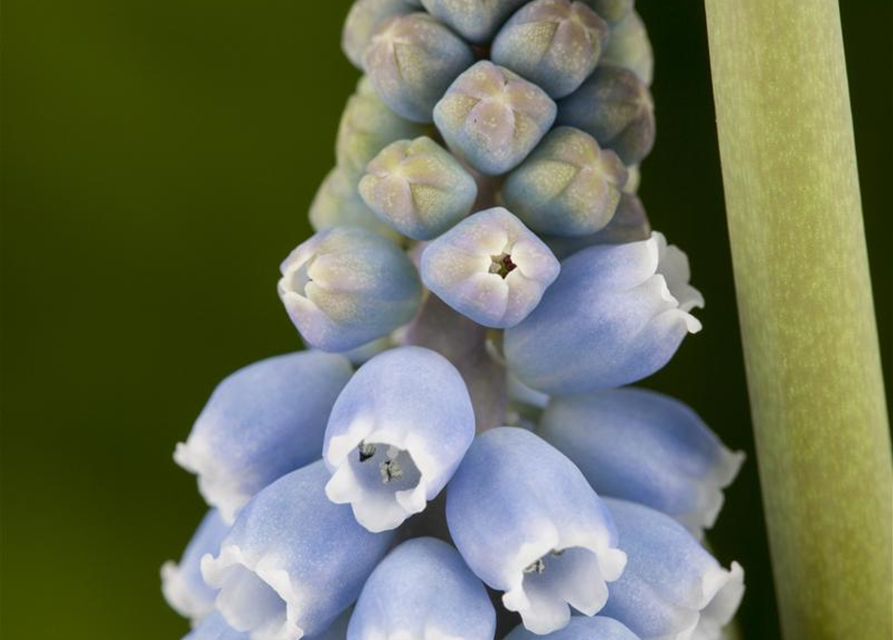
{"type": "Point", "coordinates": [158, 158]}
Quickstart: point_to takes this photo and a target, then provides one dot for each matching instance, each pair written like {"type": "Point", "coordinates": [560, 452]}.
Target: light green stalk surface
{"type": "Point", "coordinates": [807, 317]}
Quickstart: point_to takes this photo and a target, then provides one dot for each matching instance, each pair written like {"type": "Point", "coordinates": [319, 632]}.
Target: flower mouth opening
{"type": "Point", "coordinates": [252, 600]}
{"type": "Point", "coordinates": [393, 467]}
{"type": "Point", "coordinates": [562, 578]}
{"type": "Point", "coordinates": [381, 482]}
{"type": "Point", "coordinates": [300, 278]}
{"type": "Point", "coordinates": [502, 265]}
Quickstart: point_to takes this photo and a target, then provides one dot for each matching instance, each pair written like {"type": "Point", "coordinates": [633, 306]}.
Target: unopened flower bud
{"type": "Point", "coordinates": [553, 43]}
{"type": "Point", "coordinates": [489, 267]}
{"type": "Point", "coordinates": [362, 19]}
{"type": "Point", "coordinates": [615, 315]}
{"type": "Point", "coordinates": [367, 126]}
{"type": "Point", "coordinates": [346, 286]}
{"type": "Point", "coordinates": [477, 21]}
{"type": "Point", "coordinates": [337, 204]}
{"type": "Point", "coordinates": [493, 118]}
{"type": "Point", "coordinates": [568, 186]}
{"type": "Point", "coordinates": [629, 47]}
{"type": "Point", "coordinates": [611, 10]}
{"type": "Point", "coordinates": [629, 224]}
{"type": "Point", "coordinates": [418, 188]}
{"type": "Point", "coordinates": [615, 107]}
{"type": "Point", "coordinates": [411, 61]}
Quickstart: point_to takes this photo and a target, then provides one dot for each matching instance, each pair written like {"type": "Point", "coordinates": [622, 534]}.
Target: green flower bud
{"type": "Point", "coordinates": [337, 204]}
{"type": "Point", "coordinates": [368, 126]}
{"type": "Point", "coordinates": [418, 188]}
{"type": "Point", "coordinates": [630, 47]}
{"type": "Point", "coordinates": [412, 60]}
{"type": "Point", "coordinates": [615, 107]}
{"type": "Point", "coordinates": [611, 10]}
{"type": "Point", "coordinates": [554, 43]}
{"type": "Point", "coordinates": [362, 20]}
{"type": "Point", "coordinates": [568, 186]}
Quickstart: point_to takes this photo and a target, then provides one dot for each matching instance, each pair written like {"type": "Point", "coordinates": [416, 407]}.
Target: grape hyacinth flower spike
{"type": "Point", "coordinates": [396, 435]}
{"type": "Point", "coordinates": [528, 524]}
{"type": "Point", "coordinates": [482, 258]}
{"type": "Point", "coordinates": [260, 423]}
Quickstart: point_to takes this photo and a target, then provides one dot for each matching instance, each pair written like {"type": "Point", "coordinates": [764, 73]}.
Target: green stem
{"type": "Point", "coordinates": [807, 317]}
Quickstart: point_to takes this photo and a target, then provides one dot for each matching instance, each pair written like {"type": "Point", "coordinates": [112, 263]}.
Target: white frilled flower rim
{"type": "Point", "coordinates": [381, 472]}
{"type": "Point", "coordinates": [255, 596]}
{"type": "Point", "coordinates": [558, 569]}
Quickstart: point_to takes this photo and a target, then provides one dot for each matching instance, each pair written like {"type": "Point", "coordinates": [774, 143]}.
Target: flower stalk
{"type": "Point", "coordinates": [807, 316]}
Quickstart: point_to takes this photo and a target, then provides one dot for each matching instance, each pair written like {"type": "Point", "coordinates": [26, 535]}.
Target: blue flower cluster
{"type": "Point", "coordinates": [457, 455]}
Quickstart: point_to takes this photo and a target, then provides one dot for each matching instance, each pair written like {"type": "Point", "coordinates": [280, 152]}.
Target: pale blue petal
{"type": "Point", "coordinates": [346, 286]}
{"type": "Point", "coordinates": [489, 267]}
{"type": "Point", "coordinates": [579, 628]}
{"type": "Point", "coordinates": [182, 583]}
{"type": "Point", "coordinates": [615, 315]}
{"type": "Point", "coordinates": [261, 422]}
{"type": "Point", "coordinates": [294, 561]}
{"type": "Point", "coordinates": [671, 587]}
{"type": "Point", "coordinates": [528, 524]}
{"type": "Point", "coordinates": [396, 435]}
{"type": "Point", "coordinates": [423, 590]}
{"type": "Point", "coordinates": [645, 447]}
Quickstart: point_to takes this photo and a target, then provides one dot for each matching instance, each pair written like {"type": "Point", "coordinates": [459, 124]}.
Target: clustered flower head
{"type": "Point", "coordinates": [457, 454]}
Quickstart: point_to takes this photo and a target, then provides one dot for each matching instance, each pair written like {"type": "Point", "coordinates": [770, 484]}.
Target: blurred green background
{"type": "Point", "coordinates": [158, 159]}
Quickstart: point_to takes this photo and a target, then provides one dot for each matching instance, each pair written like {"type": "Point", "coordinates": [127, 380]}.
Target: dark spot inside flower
{"type": "Point", "coordinates": [366, 451]}
{"type": "Point", "coordinates": [535, 567]}
{"type": "Point", "coordinates": [502, 265]}
{"type": "Point", "coordinates": [390, 470]}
